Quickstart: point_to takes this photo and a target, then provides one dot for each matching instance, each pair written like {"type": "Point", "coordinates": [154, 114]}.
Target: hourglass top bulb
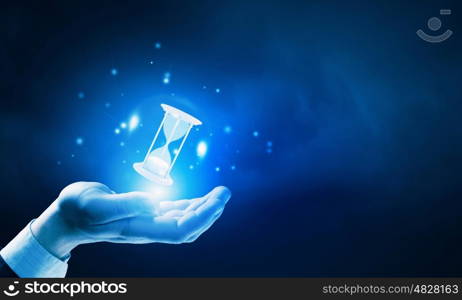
{"type": "Point", "coordinates": [158, 163]}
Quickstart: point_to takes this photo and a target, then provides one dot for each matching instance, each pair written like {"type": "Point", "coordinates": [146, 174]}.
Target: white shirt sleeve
{"type": "Point", "coordinates": [28, 258]}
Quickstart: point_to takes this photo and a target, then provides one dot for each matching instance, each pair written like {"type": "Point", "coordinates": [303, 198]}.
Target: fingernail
{"type": "Point", "coordinates": [224, 193]}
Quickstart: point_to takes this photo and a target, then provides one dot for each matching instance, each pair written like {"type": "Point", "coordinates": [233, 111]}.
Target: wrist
{"type": "Point", "coordinates": [53, 232]}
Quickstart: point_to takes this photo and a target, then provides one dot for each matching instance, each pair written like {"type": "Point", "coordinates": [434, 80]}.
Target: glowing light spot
{"type": "Point", "coordinates": [122, 94]}
{"type": "Point", "coordinates": [134, 122]}
{"type": "Point", "coordinates": [217, 90]}
{"type": "Point", "coordinates": [107, 104]}
{"type": "Point", "coordinates": [79, 141]}
{"type": "Point", "coordinates": [124, 161]}
{"type": "Point", "coordinates": [138, 151]}
{"type": "Point", "coordinates": [217, 169]}
{"type": "Point", "coordinates": [191, 167]}
{"type": "Point", "coordinates": [81, 95]}
{"type": "Point", "coordinates": [122, 144]}
{"type": "Point", "coordinates": [151, 62]}
{"type": "Point", "coordinates": [269, 150]}
{"type": "Point", "coordinates": [166, 79]}
{"type": "Point", "coordinates": [269, 144]}
{"type": "Point", "coordinates": [72, 155]}
{"type": "Point", "coordinates": [204, 87]}
{"type": "Point", "coordinates": [157, 45]}
{"type": "Point", "coordinates": [175, 151]}
{"type": "Point", "coordinates": [256, 133]}
{"type": "Point", "coordinates": [117, 131]}
{"type": "Point", "coordinates": [114, 72]}
{"type": "Point", "coordinates": [58, 162]}
{"type": "Point", "coordinates": [233, 167]}
{"type": "Point", "coordinates": [123, 125]}
{"type": "Point", "coordinates": [201, 149]}
{"type": "Point", "coordinates": [227, 129]}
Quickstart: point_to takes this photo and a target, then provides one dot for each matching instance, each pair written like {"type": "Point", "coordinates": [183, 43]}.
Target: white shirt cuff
{"type": "Point", "coordinates": [27, 258]}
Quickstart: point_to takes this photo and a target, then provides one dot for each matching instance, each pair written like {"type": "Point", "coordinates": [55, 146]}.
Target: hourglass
{"type": "Point", "coordinates": [158, 162]}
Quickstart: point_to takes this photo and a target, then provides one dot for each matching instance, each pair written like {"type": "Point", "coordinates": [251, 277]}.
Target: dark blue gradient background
{"type": "Point", "coordinates": [365, 118]}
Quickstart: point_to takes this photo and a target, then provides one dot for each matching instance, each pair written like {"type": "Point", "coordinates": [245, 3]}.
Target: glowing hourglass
{"type": "Point", "coordinates": [158, 162]}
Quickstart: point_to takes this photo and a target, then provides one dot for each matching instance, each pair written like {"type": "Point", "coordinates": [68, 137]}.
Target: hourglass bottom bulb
{"type": "Point", "coordinates": [154, 169]}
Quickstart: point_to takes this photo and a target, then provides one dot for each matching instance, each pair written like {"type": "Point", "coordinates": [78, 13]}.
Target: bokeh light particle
{"type": "Point", "coordinates": [79, 141]}
{"type": "Point", "coordinates": [201, 149]}
{"type": "Point", "coordinates": [133, 123]}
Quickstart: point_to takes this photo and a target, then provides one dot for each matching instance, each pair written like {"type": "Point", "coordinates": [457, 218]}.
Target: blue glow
{"type": "Point", "coordinates": [79, 141]}
{"type": "Point", "coordinates": [201, 149]}
{"type": "Point", "coordinates": [114, 72]}
{"type": "Point", "coordinates": [117, 131]}
{"type": "Point", "coordinates": [157, 45]}
{"type": "Point", "coordinates": [81, 95]}
{"type": "Point", "coordinates": [217, 169]}
{"type": "Point", "coordinates": [107, 104]}
{"type": "Point", "coordinates": [123, 125]}
{"type": "Point", "coordinates": [166, 79]}
{"type": "Point", "coordinates": [217, 90]}
{"type": "Point", "coordinates": [122, 144]}
{"type": "Point", "coordinates": [227, 129]}
{"type": "Point", "coordinates": [133, 123]}
{"type": "Point", "coordinates": [191, 167]}
{"type": "Point", "coordinates": [256, 133]}
{"type": "Point", "coordinates": [233, 167]}
{"type": "Point", "coordinates": [269, 144]}
{"type": "Point", "coordinates": [269, 150]}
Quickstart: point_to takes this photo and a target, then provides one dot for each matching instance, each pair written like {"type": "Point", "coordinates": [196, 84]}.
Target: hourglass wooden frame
{"type": "Point", "coordinates": [157, 163]}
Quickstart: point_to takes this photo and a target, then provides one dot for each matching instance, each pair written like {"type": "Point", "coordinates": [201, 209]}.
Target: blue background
{"type": "Point", "coordinates": [363, 116]}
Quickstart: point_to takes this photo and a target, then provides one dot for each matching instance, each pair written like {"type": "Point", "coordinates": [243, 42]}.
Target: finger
{"type": "Point", "coordinates": [112, 207]}
{"type": "Point", "coordinates": [198, 233]}
{"type": "Point", "coordinates": [175, 213]}
{"type": "Point", "coordinates": [165, 206]}
{"type": "Point", "coordinates": [148, 229]}
{"type": "Point", "coordinates": [205, 214]}
{"type": "Point", "coordinates": [198, 202]}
